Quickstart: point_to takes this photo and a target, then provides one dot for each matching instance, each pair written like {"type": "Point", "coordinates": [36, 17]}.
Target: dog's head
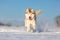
{"type": "Point", "coordinates": [30, 13]}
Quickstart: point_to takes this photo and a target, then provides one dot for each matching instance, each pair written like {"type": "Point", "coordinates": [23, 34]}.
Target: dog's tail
{"type": "Point", "coordinates": [38, 12]}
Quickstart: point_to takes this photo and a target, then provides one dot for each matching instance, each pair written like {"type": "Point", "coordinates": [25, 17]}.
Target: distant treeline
{"type": "Point", "coordinates": [58, 20]}
{"type": "Point", "coordinates": [2, 24]}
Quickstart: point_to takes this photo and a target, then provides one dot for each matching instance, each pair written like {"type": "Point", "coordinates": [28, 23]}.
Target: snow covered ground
{"type": "Point", "coordinates": [29, 36]}
{"type": "Point", "coordinates": [12, 29]}
{"type": "Point", "coordinates": [19, 33]}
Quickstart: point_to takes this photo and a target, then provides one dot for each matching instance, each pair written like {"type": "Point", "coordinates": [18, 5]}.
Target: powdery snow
{"type": "Point", "coordinates": [29, 36]}
{"type": "Point", "coordinates": [19, 33]}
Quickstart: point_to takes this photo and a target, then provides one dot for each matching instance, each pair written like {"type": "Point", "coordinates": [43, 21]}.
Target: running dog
{"type": "Point", "coordinates": [30, 19]}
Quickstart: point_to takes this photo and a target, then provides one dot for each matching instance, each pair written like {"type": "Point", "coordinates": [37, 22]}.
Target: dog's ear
{"type": "Point", "coordinates": [32, 11]}
{"type": "Point", "coordinates": [26, 11]}
{"type": "Point", "coordinates": [38, 12]}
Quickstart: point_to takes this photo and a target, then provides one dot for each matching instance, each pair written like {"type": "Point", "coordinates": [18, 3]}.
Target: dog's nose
{"type": "Point", "coordinates": [30, 18]}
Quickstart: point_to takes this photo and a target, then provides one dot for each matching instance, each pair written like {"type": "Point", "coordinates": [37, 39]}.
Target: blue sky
{"type": "Point", "coordinates": [15, 9]}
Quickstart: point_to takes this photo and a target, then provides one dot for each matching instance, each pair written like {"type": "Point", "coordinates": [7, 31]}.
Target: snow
{"type": "Point", "coordinates": [19, 33]}
{"type": "Point", "coordinates": [29, 36]}
{"type": "Point", "coordinates": [12, 29]}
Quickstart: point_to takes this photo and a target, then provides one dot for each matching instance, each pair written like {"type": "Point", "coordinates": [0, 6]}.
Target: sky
{"type": "Point", "coordinates": [14, 10]}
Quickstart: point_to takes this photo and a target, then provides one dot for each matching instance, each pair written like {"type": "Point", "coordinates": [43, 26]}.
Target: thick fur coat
{"type": "Point", "coordinates": [30, 19]}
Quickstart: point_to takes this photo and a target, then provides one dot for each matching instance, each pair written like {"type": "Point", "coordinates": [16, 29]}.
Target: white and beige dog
{"type": "Point", "coordinates": [30, 19]}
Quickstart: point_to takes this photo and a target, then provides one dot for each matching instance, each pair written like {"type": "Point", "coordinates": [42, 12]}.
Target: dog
{"type": "Point", "coordinates": [30, 19]}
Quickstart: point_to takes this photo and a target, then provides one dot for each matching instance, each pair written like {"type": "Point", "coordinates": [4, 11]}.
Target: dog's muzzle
{"type": "Point", "coordinates": [30, 18]}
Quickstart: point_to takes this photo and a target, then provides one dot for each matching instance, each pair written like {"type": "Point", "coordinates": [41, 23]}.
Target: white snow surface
{"type": "Point", "coordinates": [12, 29]}
{"type": "Point", "coordinates": [19, 33]}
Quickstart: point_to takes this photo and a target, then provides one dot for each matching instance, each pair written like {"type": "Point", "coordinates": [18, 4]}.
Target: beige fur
{"type": "Point", "coordinates": [31, 22]}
